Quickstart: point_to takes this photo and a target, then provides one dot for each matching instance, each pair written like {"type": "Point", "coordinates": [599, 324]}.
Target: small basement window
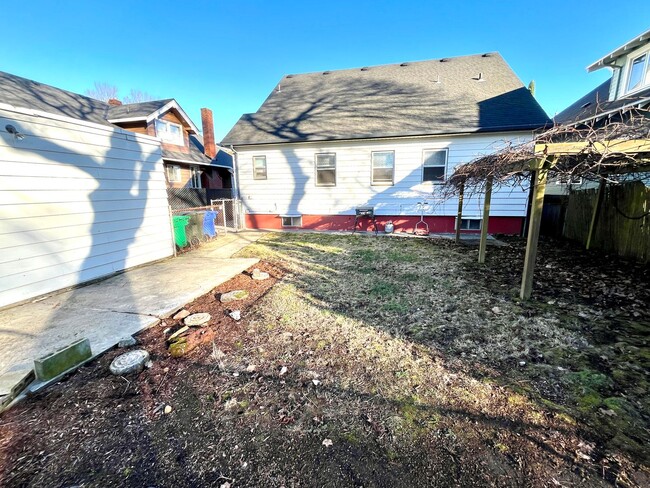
{"type": "Point", "coordinates": [291, 220]}
{"type": "Point", "coordinates": [170, 132]}
{"type": "Point", "coordinates": [173, 173]}
{"type": "Point", "coordinates": [434, 165]}
{"type": "Point", "coordinates": [470, 224]}
{"type": "Point", "coordinates": [326, 169]}
{"type": "Point", "coordinates": [383, 167]}
{"type": "Point", "coordinates": [259, 167]}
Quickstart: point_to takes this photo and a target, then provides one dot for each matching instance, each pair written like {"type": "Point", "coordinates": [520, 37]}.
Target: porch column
{"type": "Point", "coordinates": [484, 223]}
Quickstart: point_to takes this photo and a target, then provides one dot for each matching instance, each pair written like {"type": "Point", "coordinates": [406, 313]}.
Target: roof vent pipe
{"type": "Point", "coordinates": [480, 77]}
{"type": "Point", "coordinates": [404, 64]}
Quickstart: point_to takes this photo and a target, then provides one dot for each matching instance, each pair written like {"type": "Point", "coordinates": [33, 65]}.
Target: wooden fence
{"type": "Point", "coordinates": [624, 223]}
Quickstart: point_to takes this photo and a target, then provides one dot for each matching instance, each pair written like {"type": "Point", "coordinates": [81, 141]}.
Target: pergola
{"type": "Point", "coordinates": [600, 150]}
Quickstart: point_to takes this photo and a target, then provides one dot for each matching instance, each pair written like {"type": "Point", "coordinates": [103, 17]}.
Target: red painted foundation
{"type": "Point", "coordinates": [437, 224]}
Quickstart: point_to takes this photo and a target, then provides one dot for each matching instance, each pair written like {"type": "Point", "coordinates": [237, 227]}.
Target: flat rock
{"type": "Point", "coordinates": [127, 342]}
{"type": "Point", "coordinates": [197, 319]}
{"type": "Point", "coordinates": [259, 275]}
{"type": "Point", "coordinates": [176, 335]}
{"type": "Point", "coordinates": [234, 295]}
{"type": "Point", "coordinates": [235, 314]}
{"type": "Point", "coordinates": [178, 349]}
{"type": "Point", "coordinates": [129, 362]}
{"type": "Point", "coordinates": [181, 315]}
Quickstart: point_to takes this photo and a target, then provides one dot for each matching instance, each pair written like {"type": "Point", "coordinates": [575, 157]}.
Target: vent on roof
{"type": "Point", "coordinates": [480, 77]}
{"type": "Point", "coordinates": [444, 60]}
{"type": "Point", "coordinates": [365, 68]}
{"type": "Point", "coordinates": [437, 80]}
{"type": "Point", "coordinates": [487, 55]}
{"type": "Point", "coordinates": [404, 64]}
{"type": "Point", "coordinates": [289, 76]}
{"type": "Point", "coordinates": [326, 72]}
{"type": "Point", "coordinates": [585, 105]}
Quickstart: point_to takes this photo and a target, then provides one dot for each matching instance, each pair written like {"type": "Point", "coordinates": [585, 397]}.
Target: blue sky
{"type": "Point", "coordinates": [229, 55]}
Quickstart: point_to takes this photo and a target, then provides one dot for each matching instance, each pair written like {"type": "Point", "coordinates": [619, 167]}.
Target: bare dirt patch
{"type": "Point", "coordinates": [361, 362]}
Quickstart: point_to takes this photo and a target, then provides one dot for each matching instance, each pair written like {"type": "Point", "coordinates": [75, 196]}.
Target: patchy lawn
{"type": "Point", "coordinates": [370, 362]}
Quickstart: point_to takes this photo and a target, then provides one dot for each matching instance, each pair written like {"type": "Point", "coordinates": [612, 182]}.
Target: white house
{"type": "Point", "coordinates": [323, 144]}
{"type": "Point", "coordinates": [81, 198]}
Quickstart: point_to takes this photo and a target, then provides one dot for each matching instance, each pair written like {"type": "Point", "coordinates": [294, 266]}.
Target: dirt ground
{"type": "Point", "coordinates": [368, 361]}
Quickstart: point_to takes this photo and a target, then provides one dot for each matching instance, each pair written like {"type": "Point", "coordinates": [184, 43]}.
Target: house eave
{"type": "Point", "coordinates": [520, 128]}
{"type": "Point", "coordinates": [610, 59]}
{"type": "Point", "coordinates": [173, 104]}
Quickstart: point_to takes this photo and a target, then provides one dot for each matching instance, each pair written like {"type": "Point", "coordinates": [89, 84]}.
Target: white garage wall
{"type": "Point", "coordinates": [77, 201]}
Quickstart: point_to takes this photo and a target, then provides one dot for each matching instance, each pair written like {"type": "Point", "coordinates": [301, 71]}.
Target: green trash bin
{"type": "Point", "coordinates": [180, 222]}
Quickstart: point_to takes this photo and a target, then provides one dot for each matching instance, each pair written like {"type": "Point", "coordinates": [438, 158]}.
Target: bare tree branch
{"type": "Point", "coordinates": [102, 91]}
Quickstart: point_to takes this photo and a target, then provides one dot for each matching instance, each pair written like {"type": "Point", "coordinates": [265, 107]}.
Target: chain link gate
{"type": "Point", "coordinates": [231, 214]}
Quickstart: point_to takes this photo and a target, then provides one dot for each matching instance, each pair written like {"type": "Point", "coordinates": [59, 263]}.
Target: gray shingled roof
{"type": "Point", "coordinates": [24, 93]}
{"type": "Point", "coordinates": [132, 110]}
{"type": "Point", "coordinates": [595, 103]}
{"type": "Point", "coordinates": [454, 95]}
{"type": "Point", "coordinates": [195, 155]}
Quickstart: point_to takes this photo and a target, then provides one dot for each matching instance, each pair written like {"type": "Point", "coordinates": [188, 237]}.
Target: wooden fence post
{"type": "Point", "coordinates": [533, 230]}
{"type": "Point", "coordinates": [459, 216]}
{"type": "Point", "coordinates": [484, 223]}
{"type": "Point", "coordinates": [596, 213]}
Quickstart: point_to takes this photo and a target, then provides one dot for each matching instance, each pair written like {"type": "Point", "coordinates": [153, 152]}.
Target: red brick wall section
{"type": "Point", "coordinates": [208, 133]}
{"type": "Point", "coordinates": [437, 224]}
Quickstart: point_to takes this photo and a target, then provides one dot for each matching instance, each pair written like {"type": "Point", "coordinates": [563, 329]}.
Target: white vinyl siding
{"type": "Point", "coordinates": [291, 188]}
{"type": "Point", "coordinates": [79, 201]}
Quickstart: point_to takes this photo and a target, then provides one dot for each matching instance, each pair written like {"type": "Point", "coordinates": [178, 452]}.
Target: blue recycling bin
{"type": "Point", "coordinates": [208, 223]}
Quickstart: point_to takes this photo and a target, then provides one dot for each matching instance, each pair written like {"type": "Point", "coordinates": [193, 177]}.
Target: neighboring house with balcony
{"type": "Point", "coordinates": [196, 169]}
{"type": "Point", "coordinates": [323, 144]}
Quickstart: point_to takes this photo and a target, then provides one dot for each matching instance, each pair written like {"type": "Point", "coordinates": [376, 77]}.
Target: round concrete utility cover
{"type": "Point", "coordinates": [130, 362]}
{"type": "Point", "coordinates": [197, 319]}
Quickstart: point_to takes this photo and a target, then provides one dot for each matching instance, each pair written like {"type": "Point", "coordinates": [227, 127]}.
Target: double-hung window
{"type": "Point", "coordinates": [383, 167]}
{"type": "Point", "coordinates": [259, 167]}
{"type": "Point", "coordinates": [434, 165]}
{"type": "Point", "coordinates": [173, 173]}
{"type": "Point", "coordinates": [326, 169]}
{"type": "Point", "coordinates": [170, 132]}
{"type": "Point", "coordinates": [639, 73]}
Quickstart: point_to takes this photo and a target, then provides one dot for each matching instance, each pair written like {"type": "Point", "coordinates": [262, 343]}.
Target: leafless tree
{"type": "Point", "coordinates": [137, 96]}
{"type": "Point", "coordinates": [102, 91]}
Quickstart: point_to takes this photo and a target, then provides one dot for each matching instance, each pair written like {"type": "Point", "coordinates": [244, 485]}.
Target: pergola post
{"type": "Point", "coordinates": [484, 223]}
{"type": "Point", "coordinates": [459, 216]}
{"type": "Point", "coordinates": [533, 228]}
{"type": "Point", "coordinates": [596, 213]}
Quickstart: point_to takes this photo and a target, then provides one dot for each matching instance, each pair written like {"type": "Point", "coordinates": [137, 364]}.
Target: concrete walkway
{"type": "Point", "coordinates": [119, 306]}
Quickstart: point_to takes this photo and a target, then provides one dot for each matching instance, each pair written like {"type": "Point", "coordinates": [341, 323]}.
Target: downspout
{"type": "Point", "coordinates": [235, 164]}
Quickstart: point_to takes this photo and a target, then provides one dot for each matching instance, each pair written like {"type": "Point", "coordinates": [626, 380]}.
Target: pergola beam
{"type": "Point", "coordinates": [618, 146]}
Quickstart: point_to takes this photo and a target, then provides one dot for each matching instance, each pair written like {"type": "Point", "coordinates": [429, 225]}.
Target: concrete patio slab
{"type": "Point", "coordinates": [119, 306]}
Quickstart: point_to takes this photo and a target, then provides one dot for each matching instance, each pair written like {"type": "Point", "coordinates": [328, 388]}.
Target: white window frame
{"type": "Point", "coordinates": [372, 170]}
{"type": "Point", "coordinates": [173, 173]}
{"type": "Point", "coordinates": [446, 165]}
{"type": "Point", "coordinates": [468, 219]}
{"type": "Point", "coordinates": [324, 169]}
{"type": "Point", "coordinates": [293, 220]}
{"type": "Point", "coordinates": [255, 175]}
{"type": "Point", "coordinates": [645, 72]}
{"type": "Point", "coordinates": [195, 177]}
{"type": "Point", "coordinates": [163, 133]}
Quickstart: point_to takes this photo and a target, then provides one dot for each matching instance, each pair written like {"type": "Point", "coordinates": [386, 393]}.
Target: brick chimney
{"type": "Point", "coordinates": [114, 102]}
{"type": "Point", "coordinates": [210, 148]}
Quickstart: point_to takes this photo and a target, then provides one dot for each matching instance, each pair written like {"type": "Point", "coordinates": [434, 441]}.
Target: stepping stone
{"type": "Point", "coordinates": [259, 275]}
{"type": "Point", "coordinates": [129, 362]}
{"type": "Point", "coordinates": [231, 296]}
{"type": "Point", "coordinates": [127, 342]}
{"type": "Point", "coordinates": [197, 319]}
{"type": "Point", "coordinates": [181, 315]}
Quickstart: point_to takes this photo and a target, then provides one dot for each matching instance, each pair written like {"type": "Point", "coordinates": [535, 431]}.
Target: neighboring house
{"type": "Point", "coordinates": [191, 163]}
{"type": "Point", "coordinates": [323, 144]}
{"type": "Point", "coordinates": [81, 197]}
{"type": "Point", "coordinates": [628, 87]}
